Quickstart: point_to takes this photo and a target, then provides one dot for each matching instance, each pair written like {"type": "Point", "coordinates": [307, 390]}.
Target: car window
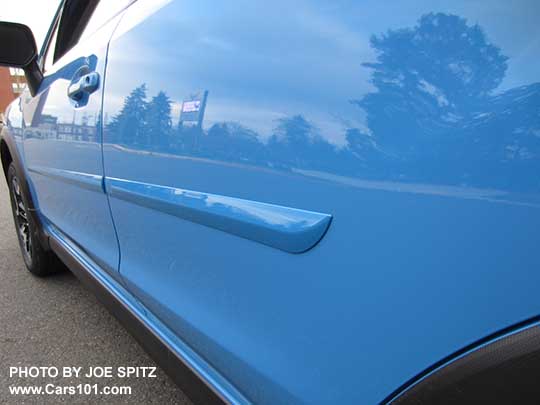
{"type": "Point", "coordinates": [74, 18]}
{"type": "Point", "coordinates": [78, 20]}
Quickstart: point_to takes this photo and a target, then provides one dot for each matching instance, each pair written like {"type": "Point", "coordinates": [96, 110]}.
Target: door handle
{"type": "Point", "coordinates": [85, 85]}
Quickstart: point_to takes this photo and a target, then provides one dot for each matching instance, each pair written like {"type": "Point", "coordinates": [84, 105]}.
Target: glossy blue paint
{"type": "Point", "coordinates": [63, 150]}
{"type": "Point", "coordinates": [288, 229]}
{"type": "Point", "coordinates": [220, 385]}
{"type": "Point", "coordinates": [416, 125]}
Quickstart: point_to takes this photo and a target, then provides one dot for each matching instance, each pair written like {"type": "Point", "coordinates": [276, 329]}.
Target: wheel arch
{"type": "Point", "coordinates": [492, 369]}
{"type": "Point", "coordinates": [9, 155]}
{"type": "Point", "coordinates": [5, 156]}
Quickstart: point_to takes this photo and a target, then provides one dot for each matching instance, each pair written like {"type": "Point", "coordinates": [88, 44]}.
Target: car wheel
{"type": "Point", "coordinates": [37, 260]}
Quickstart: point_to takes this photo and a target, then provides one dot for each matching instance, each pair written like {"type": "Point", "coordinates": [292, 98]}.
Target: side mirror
{"type": "Point", "coordinates": [18, 49]}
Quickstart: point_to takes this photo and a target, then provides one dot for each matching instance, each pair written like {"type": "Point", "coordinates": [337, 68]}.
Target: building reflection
{"type": "Point", "coordinates": [49, 127]}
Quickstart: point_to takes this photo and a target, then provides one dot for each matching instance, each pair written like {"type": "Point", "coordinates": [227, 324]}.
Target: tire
{"type": "Point", "coordinates": [38, 261]}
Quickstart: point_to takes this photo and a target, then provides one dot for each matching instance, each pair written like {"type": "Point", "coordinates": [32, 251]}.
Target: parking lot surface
{"type": "Point", "coordinates": [56, 322]}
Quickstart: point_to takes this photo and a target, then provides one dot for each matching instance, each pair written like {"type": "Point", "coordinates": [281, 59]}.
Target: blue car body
{"type": "Point", "coordinates": [308, 203]}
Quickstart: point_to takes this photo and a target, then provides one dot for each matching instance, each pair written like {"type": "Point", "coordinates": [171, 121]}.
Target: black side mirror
{"type": "Point", "coordinates": [18, 49]}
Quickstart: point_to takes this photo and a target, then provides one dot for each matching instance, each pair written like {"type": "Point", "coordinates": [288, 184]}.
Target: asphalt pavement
{"type": "Point", "coordinates": [56, 322]}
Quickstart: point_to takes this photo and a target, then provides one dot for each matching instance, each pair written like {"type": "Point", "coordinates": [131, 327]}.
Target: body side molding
{"type": "Point", "coordinates": [87, 181]}
{"type": "Point", "coordinates": [289, 229]}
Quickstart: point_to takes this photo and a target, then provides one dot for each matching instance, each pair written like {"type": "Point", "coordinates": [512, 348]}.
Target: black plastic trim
{"type": "Point", "coordinates": [509, 347]}
{"type": "Point", "coordinates": [13, 151]}
{"type": "Point", "coordinates": [26, 32]}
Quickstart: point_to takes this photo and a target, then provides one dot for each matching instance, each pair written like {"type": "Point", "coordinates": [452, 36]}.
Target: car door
{"type": "Point", "coordinates": [325, 198]}
{"type": "Point", "coordinates": [62, 135]}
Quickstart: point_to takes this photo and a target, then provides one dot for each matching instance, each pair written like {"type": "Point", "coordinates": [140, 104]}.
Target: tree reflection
{"type": "Point", "coordinates": [233, 142]}
{"type": "Point", "coordinates": [159, 122]}
{"type": "Point", "coordinates": [434, 112]}
{"type": "Point", "coordinates": [434, 118]}
{"type": "Point", "coordinates": [129, 125]}
{"type": "Point", "coordinates": [430, 79]}
{"type": "Point", "coordinates": [297, 143]}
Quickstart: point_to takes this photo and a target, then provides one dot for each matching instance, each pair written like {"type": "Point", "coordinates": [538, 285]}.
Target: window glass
{"type": "Point", "coordinates": [75, 17]}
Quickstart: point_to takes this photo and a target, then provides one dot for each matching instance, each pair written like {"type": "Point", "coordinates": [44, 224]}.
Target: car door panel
{"type": "Point", "coordinates": [434, 222]}
{"type": "Point", "coordinates": [63, 151]}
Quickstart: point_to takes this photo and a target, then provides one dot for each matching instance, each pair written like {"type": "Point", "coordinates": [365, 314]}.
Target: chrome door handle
{"type": "Point", "coordinates": [86, 84]}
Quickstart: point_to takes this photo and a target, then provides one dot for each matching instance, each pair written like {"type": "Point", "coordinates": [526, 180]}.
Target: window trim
{"type": "Point", "coordinates": [70, 29]}
{"type": "Point", "coordinates": [50, 35]}
{"type": "Point", "coordinates": [54, 27]}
